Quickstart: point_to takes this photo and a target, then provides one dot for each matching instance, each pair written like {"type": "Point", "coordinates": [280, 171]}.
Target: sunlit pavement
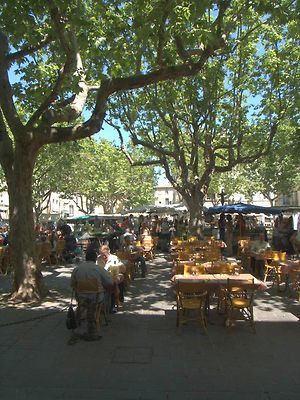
{"type": "Point", "coordinates": [141, 354]}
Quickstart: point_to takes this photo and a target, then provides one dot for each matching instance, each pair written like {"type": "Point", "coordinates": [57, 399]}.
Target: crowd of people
{"type": "Point", "coordinates": [109, 270]}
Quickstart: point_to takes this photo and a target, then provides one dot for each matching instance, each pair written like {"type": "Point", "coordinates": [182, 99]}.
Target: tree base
{"type": "Point", "coordinates": [29, 293]}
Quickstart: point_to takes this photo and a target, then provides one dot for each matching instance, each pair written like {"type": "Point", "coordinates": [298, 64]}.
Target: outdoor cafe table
{"type": "Point", "coordinates": [213, 282]}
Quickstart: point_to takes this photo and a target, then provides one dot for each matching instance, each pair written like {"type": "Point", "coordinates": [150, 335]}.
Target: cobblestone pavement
{"type": "Point", "coordinates": [141, 354]}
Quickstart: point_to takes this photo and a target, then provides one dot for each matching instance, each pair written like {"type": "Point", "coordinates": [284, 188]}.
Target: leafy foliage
{"type": "Point", "coordinates": [229, 115]}
{"type": "Point", "coordinates": [103, 175]}
{"type": "Point", "coordinates": [52, 169]}
{"type": "Point", "coordinates": [67, 57]}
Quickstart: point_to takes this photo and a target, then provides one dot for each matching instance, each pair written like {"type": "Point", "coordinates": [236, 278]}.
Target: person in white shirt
{"type": "Point", "coordinates": [258, 246]}
{"type": "Point", "coordinates": [114, 265]}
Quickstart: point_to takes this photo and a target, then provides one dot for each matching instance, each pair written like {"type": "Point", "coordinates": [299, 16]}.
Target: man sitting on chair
{"type": "Point", "coordinates": [257, 247]}
{"type": "Point", "coordinates": [84, 271]}
{"type": "Point", "coordinates": [115, 267]}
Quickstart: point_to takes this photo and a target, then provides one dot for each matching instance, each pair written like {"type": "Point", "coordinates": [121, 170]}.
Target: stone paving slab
{"type": "Point", "coordinates": [143, 356]}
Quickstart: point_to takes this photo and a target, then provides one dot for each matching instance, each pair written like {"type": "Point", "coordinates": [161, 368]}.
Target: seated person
{"type": "Point", "coordinates": [93, 244]}
{"type": "Point", "coordinates": [70, 247]}
{"type": "Point", "coordinates": [89, 270]}
{"type": "Point", "coordinates": [258, 246]}
{"type": "Point", "coordinates": [144, 231]}
{"type": "Point", "coordinates": [127, 238]}
{"type": "Point", "coordinates": [114, 265]}
{"type": "Point", "coordinates": [138, 255]}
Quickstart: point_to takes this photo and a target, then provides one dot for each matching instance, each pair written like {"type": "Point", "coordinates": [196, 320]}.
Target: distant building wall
{"type": "Point", "coordinates": [165, 195]}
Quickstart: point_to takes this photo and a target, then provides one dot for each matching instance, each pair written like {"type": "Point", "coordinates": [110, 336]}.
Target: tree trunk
{"type": "Point", "coordinates": [27, 281]}
{"type": "Point", "coordinates": [107, 208]}
{"type": "Point", "coordinates": [37, 214]}
{"type": "Point", "coordinates": [195, 207]}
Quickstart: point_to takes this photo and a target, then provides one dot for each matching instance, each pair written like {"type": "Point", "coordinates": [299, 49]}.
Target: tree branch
{"type": "Point", "coordinates": [6, 94]}
{"type": "Point", "coordinates": [71, 108]}
{"type": "Point", "coordinates": [166, 73]}
{"type": "Point", "coordinates": [6, 147]}
{"type": "Point", "coordinates": [162, 33]}
{"type": "Point", "coordinates": [26, 51]}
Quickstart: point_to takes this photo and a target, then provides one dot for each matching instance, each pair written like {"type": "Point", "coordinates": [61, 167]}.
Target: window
{"type": "Point", "coordinates": [71, 209]}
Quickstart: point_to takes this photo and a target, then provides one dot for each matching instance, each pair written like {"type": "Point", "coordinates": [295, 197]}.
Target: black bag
{"type": "Point", "coordinates": [71, 318]}
{"type": "Point", "coordinates": [71, 322]}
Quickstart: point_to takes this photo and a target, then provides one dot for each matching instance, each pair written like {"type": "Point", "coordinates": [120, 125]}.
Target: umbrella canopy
{"type": "Point", "coordinates": [82, 218]}
{"type": "Point", "coordinates": [151, 208]}
{"type": "Point", "coordinates": [242, 208]}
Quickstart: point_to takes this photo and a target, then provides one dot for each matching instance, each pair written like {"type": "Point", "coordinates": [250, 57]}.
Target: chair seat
{"type": "Point", "coordinates": [191, 304]}
{"type": "Point", "coordinates": [240, 298]}
{"type": "Point", "coordinates": [240, 303]}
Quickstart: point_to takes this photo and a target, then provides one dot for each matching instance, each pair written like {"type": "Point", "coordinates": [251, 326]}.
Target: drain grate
{"type": "Point", "coordinates": [132, 355]}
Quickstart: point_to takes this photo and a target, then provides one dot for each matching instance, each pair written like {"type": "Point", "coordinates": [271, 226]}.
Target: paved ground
{"type": "Point", "coordinates": [142, 355]}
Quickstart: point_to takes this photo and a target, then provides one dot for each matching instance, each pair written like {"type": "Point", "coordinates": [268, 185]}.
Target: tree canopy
{"type": "Point", "coordinates": [228, 115]}
{"type": "Point", "coordinates": [101, 175]}
{"type": "Point", "coordinates": [60, 58]}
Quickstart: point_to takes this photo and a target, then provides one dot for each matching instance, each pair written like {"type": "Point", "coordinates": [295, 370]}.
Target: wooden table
{"type": "Point", "coordinates": [213, 282]}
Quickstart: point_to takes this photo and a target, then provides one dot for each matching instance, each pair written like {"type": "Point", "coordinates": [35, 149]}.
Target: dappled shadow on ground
{"type": "Point", "coordinates": [151, 295]}
{"type": "Point", "coordinates": [143, 355]}
{"type": "Point", "coordinates": [57, 280]}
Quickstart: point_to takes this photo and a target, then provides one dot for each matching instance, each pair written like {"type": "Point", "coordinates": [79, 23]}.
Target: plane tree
{"type": "Point", "coordinates": [101, 175]}
{"type": "Point", "coordinates": [60, 58]}
{"type": "Point", "coordinates": [277, 173]}
{"type": "Point", "coordinates": [51, 172]}
{"type": "Point", "coordinates": [229, 115]}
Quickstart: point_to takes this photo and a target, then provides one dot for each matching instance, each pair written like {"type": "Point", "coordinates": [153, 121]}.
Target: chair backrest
{"type": "Point", "coordinates": [147, 243]}
{"type": "Point", "coordinates": [91, 285]}
{"type": "Point", "coordinates": [192, 239]}
{"type": "Point", "coordinates": [222, 268]}
{"type": "Point", "coordinates": [275, 255]}
{"type": "Point", "coordinates": [183, 256]}
{"type": "Point", "coordinates": [241, 285]}
{"type": "Point", "coordinates": [125, 255]}
{"type": "Point", "coordinates": [60, 245]}
{"type": "Point", "coordinates": [190, 288]}
{"type": "Point", "coordinates": [193, 269]}
{"type": "Point", "coordinates": [282, 255]}
{"type": "Point", "coordinates": [179, 265]}
{"type": "Point", "coordinates": [213, 254]}
{"type": "Point", "coordinates": [46, 249]}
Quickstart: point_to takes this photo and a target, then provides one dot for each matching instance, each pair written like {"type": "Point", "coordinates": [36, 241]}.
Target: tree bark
{"type": "Point", "coordinates": [195, 207]}
{"type": "Point", "coordinates": [27, 281]}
